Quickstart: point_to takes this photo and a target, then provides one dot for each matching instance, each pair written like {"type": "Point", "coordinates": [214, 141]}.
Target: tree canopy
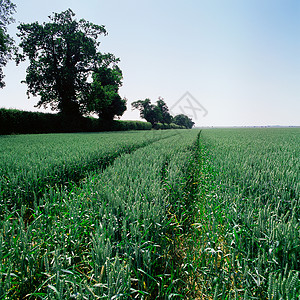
{"type": "Point", "coordinates": [166, 118]}
{"type": "Point", "coordinates": [104, 99]}
{"type": "Point", "coordinates": [183, 120]}
{"type": "Point", "coordinates": [63, 59]}
{"type": "Point", "coordinates": [159, 113]}
{"type": "Point", "coordinates": [154, 114]}
{"type": "Point", "coordinates": [147, 111]}
{"type": "Point", "coordinates": [7, 8]}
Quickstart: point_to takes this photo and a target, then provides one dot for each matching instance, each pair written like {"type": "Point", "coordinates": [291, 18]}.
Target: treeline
{"type": "Point", "coordinates": [14, 121]}
{"type": "Point", "coordinates": [159, 113]}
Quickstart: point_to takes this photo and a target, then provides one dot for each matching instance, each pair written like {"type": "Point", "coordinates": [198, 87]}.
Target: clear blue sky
{"type": "Point", "coordinates": [239, 59]}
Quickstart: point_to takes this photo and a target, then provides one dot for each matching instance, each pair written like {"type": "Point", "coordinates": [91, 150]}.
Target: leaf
{"type": "Point", "coordinates": [53, 288]}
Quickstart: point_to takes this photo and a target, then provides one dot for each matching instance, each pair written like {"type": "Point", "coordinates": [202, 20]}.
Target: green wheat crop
{"type": "Point", "coordinates": [107, 238]}
{"type": "Point", "coordinates": [246, 241]}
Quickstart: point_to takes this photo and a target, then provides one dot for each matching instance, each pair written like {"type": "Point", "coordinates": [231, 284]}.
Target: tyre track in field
{"type": "Point", "coordinates": [181, 215]}
{"type": "Point", "coordinates": [67, 177]}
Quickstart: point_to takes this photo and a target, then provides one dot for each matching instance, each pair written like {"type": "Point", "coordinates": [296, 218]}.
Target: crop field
{"type": "Point", "coordinates": [246, 239]}
{"type": "Point", "coordinates": [187, 214]}
{"type": "Point", "coordinates": [30, 163]}
{"type": "Point", "coordinates": [105, 235]}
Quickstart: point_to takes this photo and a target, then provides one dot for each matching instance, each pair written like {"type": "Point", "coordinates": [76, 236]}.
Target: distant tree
{"type": "Point", "coordinates": [166, 118]}
{"type": "Point", "coordinates": [154, 116]}
{"type": "Point", "coordinates": [63, 57]}
{"type": "Point", "coordinates": [144, 106]}
{"type": "Point", "coordinates": [148, 111]}
{"type": "Point", "coordinates": [7, 8]}
{"type": "Point", "coordinates": [183, 120]}
{"type": "Point", "coordinates": [104, 99]}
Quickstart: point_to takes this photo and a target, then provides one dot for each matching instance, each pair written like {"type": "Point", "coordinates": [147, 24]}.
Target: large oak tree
{"type": "Point", "coordinates": [64, 57]}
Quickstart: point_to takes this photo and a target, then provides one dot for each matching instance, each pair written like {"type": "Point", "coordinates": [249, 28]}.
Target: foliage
{"type": "Point", "coordinates": [183, 120]}
{"type": "Point", "coordinates": [104, 99]}
{"type": "Point", "coordinates": [154, 114]}
{"type": "Point", "coordinates": [159, 113]}
{"type": "Point", "coordinates": [63, 55]}
{"type": "Point", "coordinates": [131, 125]}
{"type": "Point", "coordinates": [166, 118]}
{"type": "Point", "coordinates": [13, 121]}
{"type": "Point", "coordinates": [148, 111]}
{"type": "Point", "coordinates": [7, 8]}
{"type": "Point", "coordinates": [167, 126]}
